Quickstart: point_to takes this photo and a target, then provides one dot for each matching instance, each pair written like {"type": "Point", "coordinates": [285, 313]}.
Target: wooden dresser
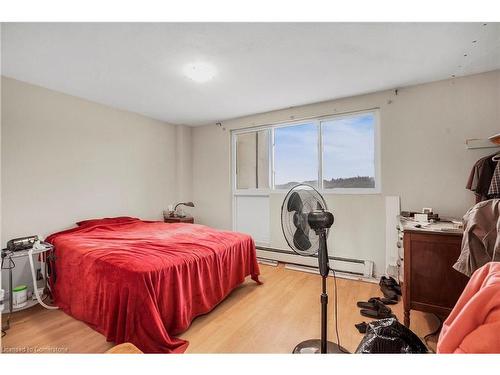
{"type": "Point", "coordinates": [178, 219]}
{"type": "Point", "coordinates": [429, 281]}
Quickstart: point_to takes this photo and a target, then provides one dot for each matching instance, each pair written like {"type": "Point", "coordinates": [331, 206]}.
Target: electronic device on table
{"type": "Point", "coordinates": [305, 222]}
{"type": "Point", "coordinates": [22, 243]}
{"type": "Point", "coordinates": [421, 216]}
{"type": "Point", "coordinates": [26, 247]}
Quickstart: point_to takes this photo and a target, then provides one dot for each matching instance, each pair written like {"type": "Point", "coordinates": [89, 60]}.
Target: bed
{"type": "Point", "coordinates": [144, 282]}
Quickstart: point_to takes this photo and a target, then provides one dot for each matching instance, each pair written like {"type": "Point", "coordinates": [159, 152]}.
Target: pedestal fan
{"type": "Point", "coordinates": [305, 222]}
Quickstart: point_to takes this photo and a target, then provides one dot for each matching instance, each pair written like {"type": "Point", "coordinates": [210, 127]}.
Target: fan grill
{"type": "Point", "coordinates": [311, 201]}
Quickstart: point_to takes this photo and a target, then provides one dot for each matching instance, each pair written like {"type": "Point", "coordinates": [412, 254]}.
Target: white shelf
{"type": "Point", "coordinates": [28, 305]}
{"type": "Point", "coordinates": [480, 143]}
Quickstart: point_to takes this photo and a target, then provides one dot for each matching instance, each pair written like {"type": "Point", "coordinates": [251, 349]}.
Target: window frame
{"type": "Point", "coordinates": [318, 121]}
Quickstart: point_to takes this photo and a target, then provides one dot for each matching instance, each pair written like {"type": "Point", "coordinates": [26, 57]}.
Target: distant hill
{"type": "Point", "coordinates": [350, 182]}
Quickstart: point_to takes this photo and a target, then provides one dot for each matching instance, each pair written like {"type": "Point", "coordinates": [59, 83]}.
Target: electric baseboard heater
{"type": "Point", "coordinates": [353, 267]}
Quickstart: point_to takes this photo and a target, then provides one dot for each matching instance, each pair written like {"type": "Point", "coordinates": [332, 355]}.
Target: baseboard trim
{"type": "Point", "coordinates": [267, 262]}
{"type": "Point", "coordinates": [339, 274]}
{"type": "Point", "coordinates": [362, 269]}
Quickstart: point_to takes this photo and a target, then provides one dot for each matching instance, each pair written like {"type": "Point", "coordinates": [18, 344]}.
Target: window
{"type": "Point", "coordinates": [349, 152]}
{"type": "Point", "coordinates": [295, 155]}
{"type": "Point", "coordinates": [336, 154]}
{"type": "Point", "coordinates": [252, 160]}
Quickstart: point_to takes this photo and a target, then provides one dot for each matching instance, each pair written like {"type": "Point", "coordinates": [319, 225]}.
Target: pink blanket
{"type": "Point", "coordinates": [474, 324]}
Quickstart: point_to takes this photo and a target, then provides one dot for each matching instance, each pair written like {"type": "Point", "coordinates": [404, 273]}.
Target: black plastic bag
{"type": "Point", "coordinates": [390, 336]}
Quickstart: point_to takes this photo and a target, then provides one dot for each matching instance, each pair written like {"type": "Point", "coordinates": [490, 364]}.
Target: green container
{"type": "Point", "coordinates": [19, 296]}
{"type": "Point", "coordinates": [20, 288]}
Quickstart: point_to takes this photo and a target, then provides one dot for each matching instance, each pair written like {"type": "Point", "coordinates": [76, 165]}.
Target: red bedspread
{"type": "Point", "coordinates": [142, 282]}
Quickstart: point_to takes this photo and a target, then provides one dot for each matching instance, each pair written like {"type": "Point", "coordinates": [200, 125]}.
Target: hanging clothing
{"type": "Point", "coordinates": [480, 178]}
{"type": "Point", "coordinates": [481, 239]}
{"type": "Point", "coordinates": [474, 322]}
{"type": "Point", "coordinates": [494, 190]}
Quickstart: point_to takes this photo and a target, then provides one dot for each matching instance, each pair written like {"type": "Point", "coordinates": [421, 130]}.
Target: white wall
{"type": "Point", "coordinates": [1, 284]}
{"type": "Point", "coordinates": [65, 159]}
{"type": "Point", "coordinates": [423, 158]}
{"type": "Point", "coordinates": [183, 164]}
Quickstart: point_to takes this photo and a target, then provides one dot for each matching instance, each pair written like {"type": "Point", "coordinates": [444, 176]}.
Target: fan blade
{"type": "Point", "coordinates": [300, 240]}
{"type": "Point", "coordinates": [295, 203]}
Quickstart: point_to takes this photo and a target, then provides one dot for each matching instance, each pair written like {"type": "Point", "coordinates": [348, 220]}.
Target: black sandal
{"type": "Point", "coordinates": [385, 301]}
{"type": "Point", "coordinates": [375, 314]}
{"type": "Point", "coordinates": [390, 283]}
{"type": "Point", "coordinates": [389, 293]}
{"type": "Point", "coordinates": [379, 310]}
{"type": "Point", "coordinates": [372, 305]}
{"type": "Point", "coordinates": [361, 327]}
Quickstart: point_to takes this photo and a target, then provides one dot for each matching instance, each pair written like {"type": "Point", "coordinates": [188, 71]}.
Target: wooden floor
{"type": "Point", "coordinates": [268, 318]}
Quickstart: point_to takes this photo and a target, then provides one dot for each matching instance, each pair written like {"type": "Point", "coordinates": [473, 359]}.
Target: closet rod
{"type": "Point", "coordinates": [480, 143]}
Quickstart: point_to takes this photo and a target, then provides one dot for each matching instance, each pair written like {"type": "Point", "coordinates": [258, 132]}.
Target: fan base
{"type": "Point", "coordinates": [314, 347]}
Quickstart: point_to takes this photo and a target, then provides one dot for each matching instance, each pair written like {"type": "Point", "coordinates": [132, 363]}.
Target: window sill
{"type": "Point", "coordinates": [346, 191]}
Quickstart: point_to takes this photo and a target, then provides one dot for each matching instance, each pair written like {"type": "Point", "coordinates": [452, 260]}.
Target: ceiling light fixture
{"type": "Point", "coordinates": [199, 71]}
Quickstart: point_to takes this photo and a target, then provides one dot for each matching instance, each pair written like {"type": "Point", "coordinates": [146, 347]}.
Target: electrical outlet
{"type": "Point", "coordinates": [39, 275]}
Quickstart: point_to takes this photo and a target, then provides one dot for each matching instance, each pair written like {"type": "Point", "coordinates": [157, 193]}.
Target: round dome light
{"type": "Point", "coordinates": [199, 71]}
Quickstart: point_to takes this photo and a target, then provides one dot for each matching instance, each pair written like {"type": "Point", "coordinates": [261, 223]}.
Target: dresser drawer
{"type": "Point", "coordinates": [431, 283]}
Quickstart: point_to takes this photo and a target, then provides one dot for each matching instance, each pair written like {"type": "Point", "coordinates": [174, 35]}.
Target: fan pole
{"type": "Point", "coordinates": [324, 317]}
{"type": "Point", "coordinates": [324, 269]}
{"type": "Point", "coordinates": [307, 217]}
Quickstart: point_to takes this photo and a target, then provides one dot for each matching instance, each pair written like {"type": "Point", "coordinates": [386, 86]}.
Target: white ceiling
{"type": "Point", "coordinates": [260, 66]}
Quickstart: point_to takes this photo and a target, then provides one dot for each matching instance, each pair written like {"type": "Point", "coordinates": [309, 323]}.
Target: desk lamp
{"type": "Point", "coordinates": [188, 204]}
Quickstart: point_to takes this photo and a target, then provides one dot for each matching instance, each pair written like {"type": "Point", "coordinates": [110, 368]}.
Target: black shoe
{"type": "Point", "coordinates": [372, 305]}
{"type": "Point", "coordinates": [391, 283]}
{"type": "Point", "coordinates": [377, 314]}
{"type": "Point", "coordinates": [389, 293]}
{"type": "Point", "coordinates": [361, 327]}
{"type": "Point", "coordinates": [378, 311]}
{"type": "Point", "coordinates": [385, 301]}
{"type": "Point", "coordinates": [366, 305]}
